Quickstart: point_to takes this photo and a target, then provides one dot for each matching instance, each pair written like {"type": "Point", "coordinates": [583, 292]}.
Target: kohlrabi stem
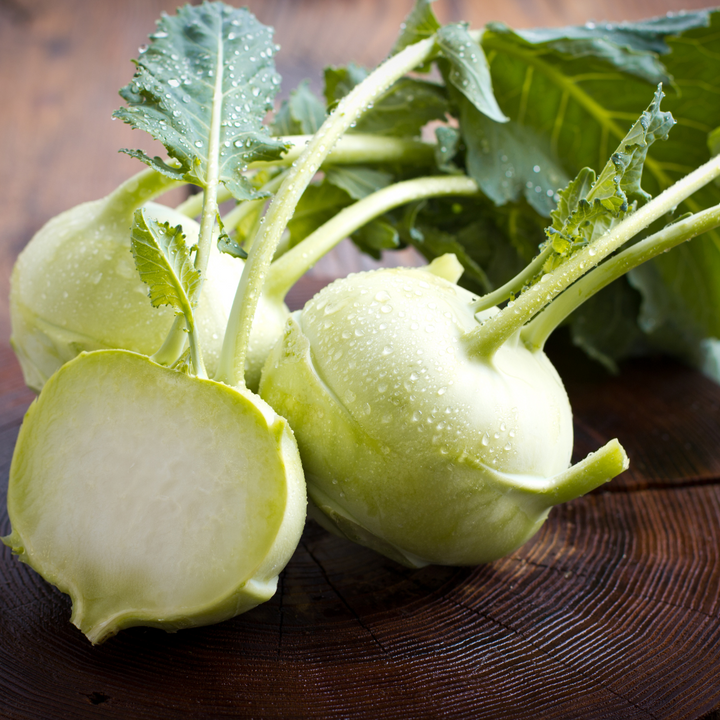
{"type": "Point", "coordinates": [536, 333]}
{"type": "Point", "coordinates": [136, 191]}
{"type": "Point", "coordinates": [174, 343]}
{"type": "Point", "coordinates": [195, 351]}
{"type": "Point", "coordinates": [242, 209]}
{"type": "Point", "coordinates": [350, 150]}
{"type": "Point", "coordinates": [231, 369]}
{"type": "Point", "coordinates": [485, 340]}
{"type": "Point", "coordinates": [175, 340]}
{"type": "Point", "coordinates": [289, 268]}
{"type": "Point", "coordinates": [514, 286]}
{"type": "Point", "coordinates": [596, 469]}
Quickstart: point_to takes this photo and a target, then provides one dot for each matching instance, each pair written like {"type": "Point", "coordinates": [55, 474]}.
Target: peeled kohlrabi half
{"type": "Point", "coordinates": [152, 497]}
{"type": "Point", "coordinates": [413, 445]}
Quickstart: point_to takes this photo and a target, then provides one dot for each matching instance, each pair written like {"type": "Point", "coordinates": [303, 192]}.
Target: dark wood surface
{"type": "Point", "coordinates": [611, 611]}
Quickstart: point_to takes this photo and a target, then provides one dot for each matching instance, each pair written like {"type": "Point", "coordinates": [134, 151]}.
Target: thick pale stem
{"type": "Point", "coordinates": [488, 337]}
{"type": "Point", "coordinates": [350, 150]}
{"type": "Point", "coordinates": [289, 268]}
{"type": "Point", "coordinates": [536, 333]}
{"type": "Point", "coordinates": [136, 191]}
{"type": "Point", "coordinates": [595, 470]}
{"type": "Point", "coordinates": [512, 287]}
{"type": "Point", "coordinates": [174, 343]}
{"type": "Point", "coordinates": [232, 357]}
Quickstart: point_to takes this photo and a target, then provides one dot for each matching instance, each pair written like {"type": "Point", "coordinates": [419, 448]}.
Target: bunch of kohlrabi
{"type": "Point", "coordinates": [431, 426]}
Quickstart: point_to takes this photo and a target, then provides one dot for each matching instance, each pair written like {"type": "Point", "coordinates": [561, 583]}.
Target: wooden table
{"type": "Point", "coordinates": [611, 611]}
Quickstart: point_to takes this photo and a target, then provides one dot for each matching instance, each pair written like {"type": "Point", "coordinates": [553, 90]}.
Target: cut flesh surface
{"type": "Point", "coordinates": [152, 497]}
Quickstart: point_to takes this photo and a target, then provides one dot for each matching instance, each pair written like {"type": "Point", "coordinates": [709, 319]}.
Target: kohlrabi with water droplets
{"type": "Point", "coordinates": [432, 426]}
{"type": "Point", "coordinates": [74, 288]}
{"type": "Point", "coordinates": [161, 490]}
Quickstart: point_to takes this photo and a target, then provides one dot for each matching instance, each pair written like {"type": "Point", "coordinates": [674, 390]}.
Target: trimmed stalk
{"type": "Point", "coordinates": [596, 469]}
{"type": "Point", "coordinates": [136, 191]}
{"type": "Point", "coordinates": [485, 340]}
{"type": "Point", "coordinates": [536, 333]}
{"type": "Point", "coordinates": [288, 269]}
{"type": "Point", "coordinates": [232, 358]}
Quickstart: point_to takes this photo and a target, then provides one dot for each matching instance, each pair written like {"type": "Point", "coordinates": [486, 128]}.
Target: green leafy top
{"type": "Point", "coordinates": [589, 206]}
{"type": "Point", "coordinates": [207, 63]}
{"type": "Point", "coordinates": [164, 263]}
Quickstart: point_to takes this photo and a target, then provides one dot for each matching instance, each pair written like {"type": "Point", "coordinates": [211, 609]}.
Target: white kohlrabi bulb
{"type": "Point", "coordinates": [410, 444]}
{"type": "Point", "coordinates": [75, 288]}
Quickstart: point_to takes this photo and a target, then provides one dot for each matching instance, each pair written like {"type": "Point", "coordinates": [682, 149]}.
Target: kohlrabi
{"type": "Point", "coordinates": [431, 424]}
{"type": "Point", "coordinates": [74, 287]}
{"type": "Point", "coordinates": [161, 490]}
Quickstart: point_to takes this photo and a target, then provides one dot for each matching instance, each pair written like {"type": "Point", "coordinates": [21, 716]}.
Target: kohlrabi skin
{"type": "Point", "coordinates": [411, 443]}
{"type": "Point", "coordinates": [74, 288]}
{"type": "Point", "coordinates": [152, 497]}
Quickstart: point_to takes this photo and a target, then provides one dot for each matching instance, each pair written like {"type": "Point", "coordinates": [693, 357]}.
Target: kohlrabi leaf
{"type": "Point", "coordinates": [318, 204]}
{"type": "Point", "coordinates": [631, 47]}
{"type": "Point", "coordinates": [589, 206]}
{"type": "Point", "coordinates": [402, 111]}
{"type": "Point", "coordinates": [203, 87]}
{"type": "Point", "coordinates": [376, 236]}
{"type": "Point", "coordinates": [690, 273]}
{"type": "Point", "coordinates": [164, 263]}
{"type": "Point", "coordinates": [421, 23]}
{"type": "Point", "coordinates": [469, 70]}
{"type": "Point", "coordinates": [357, 181]}
{"type": "Point", "coordinates": [228, 244]}
{"type": "Point", "coordinates": [448, 144]}
{"type": "Point", "coordinates": [302, 114]}
{"type": "Point", "coordinates": [510, 160]}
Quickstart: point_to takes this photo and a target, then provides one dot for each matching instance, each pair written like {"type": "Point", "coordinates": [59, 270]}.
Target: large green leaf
{"type": "Point", "coordinates": [207, 63]}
